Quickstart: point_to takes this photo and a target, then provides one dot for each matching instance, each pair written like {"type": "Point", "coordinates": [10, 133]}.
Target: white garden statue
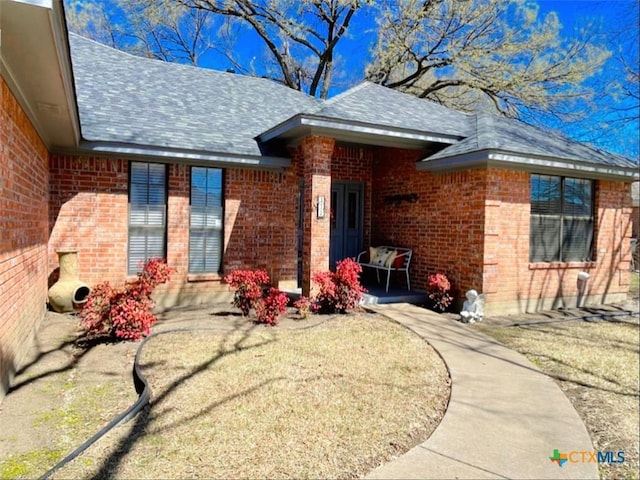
{"type": "Point", "coordinates": [472, 308]}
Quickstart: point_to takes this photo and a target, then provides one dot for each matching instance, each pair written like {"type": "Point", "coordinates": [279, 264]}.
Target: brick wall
{"type": "Point", "coordinates": [506, 242]}
{"type": "Point", "coordinates": [513, 284]}
{"type": "Point", "coordinates": [261, 220]}
{"type": "Point", "coordinates": [444, 227]}
{"type": "Point", "coordinates": [315, 153]}
{"type": "Point", "coordinates": [24, 184]}
{"type": "Point", "coordinates": [89, 212]}
{"type": "Point", "coordinates": [474, 226]}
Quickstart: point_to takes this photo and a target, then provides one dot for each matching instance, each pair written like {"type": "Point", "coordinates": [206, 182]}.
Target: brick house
{"type": "Point", "coordinates": [124, 158]}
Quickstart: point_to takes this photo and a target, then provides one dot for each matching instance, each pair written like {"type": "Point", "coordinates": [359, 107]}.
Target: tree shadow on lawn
{"type": "Point", "coordinates": [74, 357]}
{"type": "Point", "coordinates": [581, 383]}
{"type": "Point", "coordinates": [554, 335]}
{"type": "Point", "coordinates": [125, 445]}
{"type": "Point", "coordinates": [627, 345]}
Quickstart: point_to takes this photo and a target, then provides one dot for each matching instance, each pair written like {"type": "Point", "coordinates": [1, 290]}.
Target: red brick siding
{"type": "Point", "coordinates": [506, 242]}
{"type": "Point", "coordinates": [316, 155]}
{"type": "Point", "coordinates": [261, 218]}
{"type": "Point", "coordinates": [89, 212]}
{"type": "Point", "coordinates": [24, 185]}
{"type": "Point", "coordinates": [474, 226]}
{"type": "Point", "coordinates": [613, 236]}
{"type": "Point", "coordinates": [355, 164]}
{"type": "Point", "coordinates": [178, 220]}
{"type": "Point", "coordinates": [512, 283]}
{"type": "Point", "coordinates": [444, 227]}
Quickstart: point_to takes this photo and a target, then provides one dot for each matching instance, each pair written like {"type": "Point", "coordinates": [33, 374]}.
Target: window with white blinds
{"type": "Point", "coordinates": [561, 219]}
{"type": "Point", "coordinates": [206, 220]}
{"type": "Point", "coordinates": [147, 213]}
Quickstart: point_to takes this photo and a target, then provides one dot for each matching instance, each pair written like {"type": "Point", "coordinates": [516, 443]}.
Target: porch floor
{"type": "Point", "coordinates": [376, 295]}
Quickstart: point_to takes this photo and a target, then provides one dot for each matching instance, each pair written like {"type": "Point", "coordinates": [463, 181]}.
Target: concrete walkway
{"type": "Point", "coordinates": [504, 420]}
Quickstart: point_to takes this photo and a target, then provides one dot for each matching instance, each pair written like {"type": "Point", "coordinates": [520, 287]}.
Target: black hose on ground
{"type": "Point", "coordinates": [144, 394]}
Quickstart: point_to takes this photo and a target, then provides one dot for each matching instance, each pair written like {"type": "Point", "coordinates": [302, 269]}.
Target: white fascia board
{"type": "Point", "coordinates": [537, 164]}
{"type": "Point", "coordinates": [133, 152]}
{"type": "Point", "coordinates": [57, 34]}
{"type": "Point", "coordinates": [320, 124]}
{"type": "Point", "coordinates": [35, 3]}
{"type": "Point", "coordinates": [61, 40]}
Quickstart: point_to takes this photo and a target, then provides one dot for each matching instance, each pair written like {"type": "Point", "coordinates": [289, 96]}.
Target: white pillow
{"type": "Point", "coordinates": [391, 258]}
{"type": "Point", "coordinates": [380, 257]}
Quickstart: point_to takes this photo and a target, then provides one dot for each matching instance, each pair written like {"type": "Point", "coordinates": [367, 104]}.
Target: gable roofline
{"type": "Point", "coordinates": [352, 131]}
{"type": "Point", "coordinates": [531, 163]}
{"type": "Point", "coordinates": [511, 143]}
{"type": "Point", "coordinates": [143, 106]}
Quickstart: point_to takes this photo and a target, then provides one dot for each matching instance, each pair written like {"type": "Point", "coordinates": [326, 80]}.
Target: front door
{"type": "Point", "coordinates": [347, 207]}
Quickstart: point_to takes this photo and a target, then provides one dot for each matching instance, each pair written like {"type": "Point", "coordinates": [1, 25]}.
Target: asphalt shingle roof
{"type": "Point", "coordinates": [371, 103]}
{"type": "Point", "coordinates": [128, 99]}
{"type": "Point", "coordinates": [132, 100]}
{"type": "Point", "coordinates": [496, 133]}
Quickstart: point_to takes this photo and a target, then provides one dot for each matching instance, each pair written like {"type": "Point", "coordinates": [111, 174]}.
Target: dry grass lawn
{"type": "Point", "coordinates": [330, 401]}
{"type": "Point", "coordinates": [597, 366]}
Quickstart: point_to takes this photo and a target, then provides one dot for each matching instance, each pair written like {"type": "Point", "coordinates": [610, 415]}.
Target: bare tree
{"type": "Point", "coordinates": [620, 101]}
{"type": "Point", "coordinates": [495, 54]}
{"type": "Point", "coordinates": [613, 119]}
{"type": "Point", "coordinates": [158, 29]}
{"type": "Point", "coordinates": [466, 54]}
{"type": "Point", "coordinates": [300, 37]}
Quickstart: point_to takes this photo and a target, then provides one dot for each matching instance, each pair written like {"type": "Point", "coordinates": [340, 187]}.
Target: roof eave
{"type": "Point", "coordinates": [533, 163]}
{"type": "Point", "coordinates": [175, 155]}
{"type": "Point", "coordinates": [41, 79]}
{"type": "Point", "coordinates": [301, 125]}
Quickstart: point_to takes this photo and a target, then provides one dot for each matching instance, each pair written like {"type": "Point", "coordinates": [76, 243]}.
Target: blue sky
{"type": "Point", "coordinates": [613, 15]}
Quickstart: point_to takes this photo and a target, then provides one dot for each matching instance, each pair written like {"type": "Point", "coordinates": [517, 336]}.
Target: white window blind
{"type": "Point", "coordinates": [206, 220]}
{"type": "Point", "coordinates": [561, 219]}
{"type": "Point", "coordinates": [147, 213]}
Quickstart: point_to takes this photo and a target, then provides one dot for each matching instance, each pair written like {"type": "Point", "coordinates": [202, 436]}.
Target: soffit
{"type": "Point", "coordinates": [35, 64]}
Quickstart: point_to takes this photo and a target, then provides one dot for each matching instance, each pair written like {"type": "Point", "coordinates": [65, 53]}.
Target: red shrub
{"type": "Point", "coordinates": [339, 291]}
{"type": "Point", "coordinates": [124, 312]}
{"type": "Point", "coordinates": [253, 292]}
{"type": "Point", "coordinates": [268, 309]}
{"type": "Point", "coordinates": [439, 286]}
{"type": "Point", "coordinates": [305, 306]}
{"type": "Point", "coordinates": [249, 286]}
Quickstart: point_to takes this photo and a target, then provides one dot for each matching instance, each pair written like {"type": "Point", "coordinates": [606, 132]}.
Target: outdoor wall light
{"type": "Point", "coordinates": [320, 207]}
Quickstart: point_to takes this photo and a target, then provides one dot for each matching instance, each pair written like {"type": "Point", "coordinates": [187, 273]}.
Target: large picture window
{"type": "Point", "coordinates": [561, 219]}
{"type": "Point", "coordinates": [206, 220]}
{"type": "Point", "coordinates": [147, 213]}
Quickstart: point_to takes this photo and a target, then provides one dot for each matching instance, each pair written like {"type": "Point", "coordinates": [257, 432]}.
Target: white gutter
{"type": "Point", "coordinates": [318, 124]}
{"type": "Point", "coordinates": [176, 155]}
{"type": "Point", "coordinates": [537, 163]}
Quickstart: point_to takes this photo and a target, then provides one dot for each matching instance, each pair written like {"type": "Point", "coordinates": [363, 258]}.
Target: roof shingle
{"type": "Point", "coordinates": [128, 99]}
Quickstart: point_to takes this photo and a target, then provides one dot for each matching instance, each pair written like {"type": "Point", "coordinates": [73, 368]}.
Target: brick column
{"type": "Point", "coordinates": [316, 158]}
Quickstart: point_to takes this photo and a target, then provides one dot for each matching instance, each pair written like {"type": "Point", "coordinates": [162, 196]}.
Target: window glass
{"type": "Point", "coordinates": [561, 219]}
{"type": "Point", "coordinates": [147, 213]}
{"type": "Point", "coordinates": [206, 220]}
